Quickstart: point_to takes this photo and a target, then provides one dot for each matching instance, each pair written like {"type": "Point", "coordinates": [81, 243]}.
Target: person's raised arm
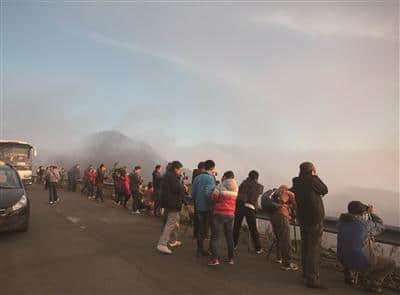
{"type": "Point", "coordinates": [318, 186]}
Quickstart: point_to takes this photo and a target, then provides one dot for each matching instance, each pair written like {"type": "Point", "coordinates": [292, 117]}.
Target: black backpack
{"type": "Point", "coordinates": [270, 201]}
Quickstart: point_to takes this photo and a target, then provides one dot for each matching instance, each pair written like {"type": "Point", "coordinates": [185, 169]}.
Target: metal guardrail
{"type": "Point", "coordinates": [390, 236]}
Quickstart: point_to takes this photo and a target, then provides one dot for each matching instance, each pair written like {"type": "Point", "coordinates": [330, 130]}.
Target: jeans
{"type": "Point", "coordinates": [250, 214]}
{"type": "Point", "coordinates": [204, 218]}
{"type": "Point", "coordinates": [280, 225]}
{"type": "Point", "coordinates": [226, 223]}
{"type": "Point", "coordinates": [311, 237]}
{"type": "Point", "coordinates": [91, 186]}
{"type": "Point", "coordinates": [171, 228]}
{"type": "Point", "coordinates": [99, 192]}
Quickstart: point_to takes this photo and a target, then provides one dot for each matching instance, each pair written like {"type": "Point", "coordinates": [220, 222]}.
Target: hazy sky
{"type": "Point", "coordinates": [294, 75]}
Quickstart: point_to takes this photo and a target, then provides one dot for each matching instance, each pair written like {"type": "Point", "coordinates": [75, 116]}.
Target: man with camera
{"type": "Point", "coordinates": [355, 246]}
{"type": "Point", "coordinates": [309, 190]}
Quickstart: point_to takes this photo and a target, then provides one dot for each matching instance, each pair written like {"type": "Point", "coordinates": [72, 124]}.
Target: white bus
{"type": "Point", "coordinates": [20, 155]}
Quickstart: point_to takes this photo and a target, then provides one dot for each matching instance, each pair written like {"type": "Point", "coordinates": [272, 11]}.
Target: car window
{"type": "Point", "coordinates": [8, 178]}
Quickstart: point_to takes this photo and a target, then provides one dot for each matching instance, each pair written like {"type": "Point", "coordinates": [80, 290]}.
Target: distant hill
{"type": "Point", "coordinates": [106, 147]}
{"type": "Point", "coordinates": [386, 203]}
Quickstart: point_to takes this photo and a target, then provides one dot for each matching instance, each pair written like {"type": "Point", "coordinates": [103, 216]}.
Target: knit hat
{"type": "Point", "coordinates": [357, 208]}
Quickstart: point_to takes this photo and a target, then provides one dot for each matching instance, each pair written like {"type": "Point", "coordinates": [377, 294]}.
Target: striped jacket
{"type": "Point", "coordinates": [224, 197]}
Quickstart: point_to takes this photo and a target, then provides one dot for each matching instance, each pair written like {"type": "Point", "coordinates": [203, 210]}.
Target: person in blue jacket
{"type": "Point", "coordinates": [202, 188]}
{"type": "Point", "coordinates": [355, 249]}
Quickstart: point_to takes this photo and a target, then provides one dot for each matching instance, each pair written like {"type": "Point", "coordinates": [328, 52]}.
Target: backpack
{"type": "Point", "coordinates": [270, 201]}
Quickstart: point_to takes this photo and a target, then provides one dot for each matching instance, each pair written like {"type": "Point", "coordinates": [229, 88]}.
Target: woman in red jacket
{"type": "Point", "coordinates": [125, 188]}
{"type": "Point", "coordinates": [91, 182]}
{"type": "Point", "coordinates": [224, 198]}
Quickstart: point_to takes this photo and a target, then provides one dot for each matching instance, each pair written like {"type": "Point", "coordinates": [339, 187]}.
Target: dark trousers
{"type": "Point", "coordinates": [157, 202]}
{"type": "Point", "coordinates": [280, 225]}
{"type": "Point", "coordinates": [136, 201]}
{"type": "Point", "coordinates": [204, 218]}
{"type": "Point", "coordinates": [311, 237]}
{"type": "Point", "coordinates": [195, 223]}
{"type": "Point", "coordinates": [250, 214]}
{"type": "Point", "coordinates": [52, 186]}
{"type": "Point", "coordinates": [91, 188]}
{"type": "Point", "coordinates": [218, 223]}
{"type": "Point", "coordinates": [73, 185]}
{"type": "Point", "coordinates": [99, 192]}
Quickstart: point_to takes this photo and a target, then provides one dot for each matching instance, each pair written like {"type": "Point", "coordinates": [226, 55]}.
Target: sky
{"type": "Point", "coordinates": [251, 82]}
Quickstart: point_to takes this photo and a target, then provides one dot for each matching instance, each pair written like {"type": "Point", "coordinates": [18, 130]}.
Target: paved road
{"type": "Point", "coordinates": [83, 247]}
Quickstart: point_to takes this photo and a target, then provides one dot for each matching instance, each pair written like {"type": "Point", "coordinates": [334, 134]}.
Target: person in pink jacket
{"type": "Point", "coordinates": [280, 221]}
{"type": "Point", "coordinates": [125, 188]}
{"type": "Point", "coordinates": [224, 199]}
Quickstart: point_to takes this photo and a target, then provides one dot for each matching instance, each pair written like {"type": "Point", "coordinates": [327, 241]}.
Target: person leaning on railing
{"type": "Point", "coordinates": [355, 246]}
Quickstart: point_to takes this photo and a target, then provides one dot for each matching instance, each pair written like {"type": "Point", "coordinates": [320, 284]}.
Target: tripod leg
{"type": "Point", "coordinates": [271, 248]}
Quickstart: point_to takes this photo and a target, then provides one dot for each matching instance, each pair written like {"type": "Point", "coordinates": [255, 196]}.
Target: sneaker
{"type": "Point", "coordinates": [175, 244]}
{"type": "Point", "coordinates": [164, 249]}
{"type": "Point", "coordinates": [261, 251]}
{"type": "Point", "coordinates": [213, 262]}
{"type": "Point", "coordinates": [230, 261]}
{"type": "Point", "coordinates": [279, 261]}
{"type": "Point", "coordinates": [291, 266]}
{"type": "Point", "coordinates": [51, 203]}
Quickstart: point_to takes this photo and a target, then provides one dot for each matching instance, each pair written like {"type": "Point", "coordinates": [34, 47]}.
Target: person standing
{"type": "Point", "coordinates": [249, 191]}
{"type": "Point", "coordinates": [157, 178]}
{"type": "Point", "coordinates": [125, 188]}
{"type": "Point", "coordinates": [172, 198]}
{"type": "Point", "coordinates": [53, 178]}
{"type": "Point", "coordinates": [200, 169]}
{"type": "Point", "coordinates": [202, 188]}
{"type": "Point", "coordinates": [309, 190]}
{"type": "Point", "coordinates": [136, 181]}
{"type": "Point", "coordinates": [224, 198]}
{"type": "Point", "coordinates": [280, 220]}
{"type": "Point", "coordinates": [76, 175]}
{"type": "Point", "coordinates": [91, 179]}
{"type": "Point", "coordinates": [100, 177]}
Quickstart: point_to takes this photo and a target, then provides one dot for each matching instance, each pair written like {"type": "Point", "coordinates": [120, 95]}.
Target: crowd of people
{"type": "Point", "coordinates": [221, 206]}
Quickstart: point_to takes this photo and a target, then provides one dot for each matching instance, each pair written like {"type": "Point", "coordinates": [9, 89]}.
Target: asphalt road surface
{"type": "Point", "coordinates": [85, 247]}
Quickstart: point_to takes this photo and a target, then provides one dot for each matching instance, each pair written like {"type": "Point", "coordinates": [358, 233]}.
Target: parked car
{"type": "Point", "coordinates": [14, 203]}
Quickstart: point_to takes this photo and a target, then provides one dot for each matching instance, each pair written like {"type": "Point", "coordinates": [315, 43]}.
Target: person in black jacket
{"type": "Point", "coordinates": [309, 190]}
{"type": "Point", "coordinates": [100, 178]}
{"type": "Point", "coordinates": [136, 182]}
{"type": "Point", "coordinates": [246, 204]}
{"type": "Point", "coordinates": [172, 197]}
{"type": "Point", "coordinates": [157, 178]}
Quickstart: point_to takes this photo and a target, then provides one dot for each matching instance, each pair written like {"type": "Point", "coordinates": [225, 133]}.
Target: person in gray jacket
{"type": "Point", "coordinates": [53, 179]}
